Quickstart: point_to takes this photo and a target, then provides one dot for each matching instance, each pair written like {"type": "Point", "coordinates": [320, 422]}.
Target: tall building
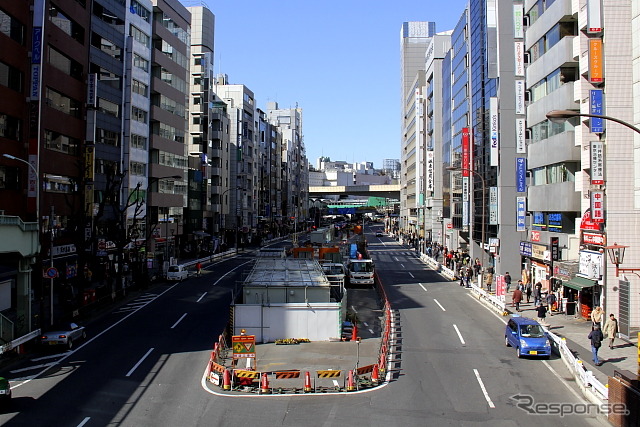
{"type": "Point", "coordinates": [415, 38]}
{"type": "Point", "coordinates": [170, 60]}
{"type": "Point", "coordinates": [294, 160]}
{"type": "Point", "coordinates": [199, 216]}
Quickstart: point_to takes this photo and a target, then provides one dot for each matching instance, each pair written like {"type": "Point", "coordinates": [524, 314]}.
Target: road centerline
{"type": "Point", "coordinates": [440, 305]}
{"type": "Point", "coordinates": [139, 362]}
{"type": "Point", "coordinates": [459, 334]}
{"type": "Point", "coordinates": [202, 296]}
{"type": "Point", "coordinates": [179, 320]}
{"type": "Point", "coordinates": [484, 390]}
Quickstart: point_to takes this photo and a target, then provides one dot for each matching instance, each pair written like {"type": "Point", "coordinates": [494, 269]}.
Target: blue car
{"type": "Point", "coordinates": [527, 337]}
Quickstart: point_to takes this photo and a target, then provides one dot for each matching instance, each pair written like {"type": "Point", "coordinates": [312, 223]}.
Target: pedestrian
{"type": "Point", "coordinates": [542, 313]}
{"type": "Point", "coordinates": [596, 338]}
{"type": "Point", "coordinates": [611, 329]}
{"type": "Point", "coordinates": [517, 298]}
{"type": "Point", "coordinates": [596, 316]}
{"type": "Point", "coordinates": [520, 286]}
{"type": "Point", "coordinates": [529, 290]}
{"type": "Point", "coordinates": [488, 279]}
{"type": "Point", "coordinates": [198, 268]}
{"type": "Point", "coordinates": [469, 276]}
{"type": "Point", "coordinates": [507, 280]}
{"type": "Point", "coordinates": [551, 302]}
{"type": "Point", "coordinates": [537, 294]}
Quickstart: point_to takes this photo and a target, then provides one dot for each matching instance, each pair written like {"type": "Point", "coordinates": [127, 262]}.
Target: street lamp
{"type": "Point", "coordinates": [484, 189]}
{"type": "Point", "coordinates": [560, 116]}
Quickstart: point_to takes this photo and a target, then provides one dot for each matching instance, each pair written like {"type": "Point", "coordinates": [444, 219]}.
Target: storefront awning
{"type": "Point", "coordinates": [579, 283]}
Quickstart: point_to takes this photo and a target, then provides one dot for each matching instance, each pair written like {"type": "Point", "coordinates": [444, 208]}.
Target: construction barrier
{"type": "Point", "coordinates": [328, 374]}
{"type": "Point", "coordinates": [282, 375]}
{"type": "Point", "coordinates": [365, 370]}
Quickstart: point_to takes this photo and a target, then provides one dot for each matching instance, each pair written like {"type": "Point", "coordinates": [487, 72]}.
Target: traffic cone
{"type": "Point", "coordinates": [226, 380]}
{"type": "Point", "coordinates": [375, 374]}
{"type": "Point", "coordinates": [354, 333]}
{"type": "Point", "coordinates": [307, 382]}
{"type": "Point", "coordinates": [264, 384]}
{"type": "Point", "coordinates": [350, 384]}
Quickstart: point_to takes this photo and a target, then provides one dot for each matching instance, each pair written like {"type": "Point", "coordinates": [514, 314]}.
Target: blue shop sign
{"type": "Point", "coordinates": [525, 249]}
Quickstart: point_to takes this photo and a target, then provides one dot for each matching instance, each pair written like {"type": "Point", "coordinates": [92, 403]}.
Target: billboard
{"type": "Point", "coordinates": [596, 61]}
{"type": "Point", "coordinates": [493, 129]}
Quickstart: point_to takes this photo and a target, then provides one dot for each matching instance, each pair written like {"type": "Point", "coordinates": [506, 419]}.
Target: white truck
{"type": "Point", "coordinates": [360, 272]}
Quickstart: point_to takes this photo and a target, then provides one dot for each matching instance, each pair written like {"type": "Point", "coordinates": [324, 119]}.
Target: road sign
{"type": "Point", "coordinates": [243, 346]}
{"type": "Point", "coordinates": [52, 272]}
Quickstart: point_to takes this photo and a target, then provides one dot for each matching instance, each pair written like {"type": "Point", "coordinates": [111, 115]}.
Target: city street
{"type": "Point", "coordinates": [143, 364]}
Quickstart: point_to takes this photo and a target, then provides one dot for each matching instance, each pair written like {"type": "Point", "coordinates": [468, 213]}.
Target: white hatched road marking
{"type": "Point", "coordinates": [86, 420]}
{"type": "Point", "coordinates": [422, 286]}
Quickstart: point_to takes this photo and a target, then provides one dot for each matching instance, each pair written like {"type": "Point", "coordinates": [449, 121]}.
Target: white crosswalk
{"type": "Point", "coordinates": [141, 301]}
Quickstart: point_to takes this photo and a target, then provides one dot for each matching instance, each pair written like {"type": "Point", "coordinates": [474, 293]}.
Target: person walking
{"type": "Point", "coordinates": [596, 338]}
{"type": "Point", "coordinates": [551, 302]}
{"type": "Point", "coordinates": [537, 294]}
{"type": "Point", "coordinates": [488, 279]}
{"type": "Point", "coordinates": [541, 309]}
{"type": "Point", "coordinates": [198, 269]}
{"type": "Point", "coordinates": [528, 291]}
{"type": "Point", "coordinates": [611, 329]}
{"type": "Point", "coordinates": [469, 276]}
{"type": "Point", "coordinates": [517, 298]}
{"type": "Point", "coordinates": [507, 280]}
{"type": "Point", "coordinates": [596, 316]}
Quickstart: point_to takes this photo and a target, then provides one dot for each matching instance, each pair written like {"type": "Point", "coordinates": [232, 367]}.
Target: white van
{"type": "Point", "coordinates": [177, 272]}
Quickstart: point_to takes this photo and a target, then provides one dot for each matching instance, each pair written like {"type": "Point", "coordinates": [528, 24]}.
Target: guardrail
{"type": "Point", "coordinates": [21, 340]}
{"type": "Point", "coordinates": [495, 302]}
{"type": "Point", "coordinates": [579, 370]}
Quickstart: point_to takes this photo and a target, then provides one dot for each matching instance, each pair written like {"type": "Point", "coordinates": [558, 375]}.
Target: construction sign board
{"type": "Point", "coordinates": [243, 346]}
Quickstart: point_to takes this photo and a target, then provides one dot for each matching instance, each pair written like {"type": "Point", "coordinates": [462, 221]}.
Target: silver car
{"type": "Point", "coordinates": [65, 335]}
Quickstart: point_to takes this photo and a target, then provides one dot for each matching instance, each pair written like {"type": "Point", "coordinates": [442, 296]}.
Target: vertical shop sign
{"type": "Point", "coordinates": [596, 124]}
{"type": "Point", "coordinates": [597, 163]}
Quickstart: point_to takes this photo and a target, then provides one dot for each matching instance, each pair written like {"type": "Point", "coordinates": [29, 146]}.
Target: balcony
{"type": "Point", "coordinates": [18, 236]}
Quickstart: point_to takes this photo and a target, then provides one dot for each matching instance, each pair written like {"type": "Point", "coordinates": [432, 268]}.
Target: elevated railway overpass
{"type": "Point", "coordinates": [387, 191]}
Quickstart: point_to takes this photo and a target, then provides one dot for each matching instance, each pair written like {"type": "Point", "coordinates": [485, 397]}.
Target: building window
{"type": "Point", "coordinates": [139, 114]}
{"type": "Point", "coordinates": [67, 25]}
{"type": "Point", "coordinates": [136, 168]}
{"type": "Point", "coordinates": [106, 167]}
{"type": "Point", "coordinates": [139, 10]}
{"type": "Point", "coordinates": [11, 77]}
{"type": "Point", "coordinates": [106, 46]}
{"type": "Point", "coordinates": [140, 62]}
{"type": "Point", "coordinates": [10, 127]}
{"type": "Point", "coordinates": [175, 29]}
{"type": "Point", "coordinates": [139, 88]}
{"type": "Point", "coordinates": [107, 77]}
{"type": "Point", "coordinates": [58, 184]}
{"type": "Point", "coordinates": [9, 178]}
{"type": "Point", "coordinates": [108, 107]}
{"type": "Point", "coordinates": [63, 103]}
{"type": "Point", "coordinates": [169, 132]}
{"type": "Point", "coordinates": [170, 105]}
{"type": "Point", "coordinates": [138, 141]}
{"type": "Point", "coordinates": [108, 137]}
{"type": "Point", "coordinates": [171, 79]}
{"type": "Point", "coordinates": [139, 36]}
{"type": "Point", "coordinates": [171, 53]}
{"type": "Point", "coordinates": [62, 143]}
{"type": "Point", "coordinates": [11, 27]}
{"type": "Point", "coordinates": [65, 64]}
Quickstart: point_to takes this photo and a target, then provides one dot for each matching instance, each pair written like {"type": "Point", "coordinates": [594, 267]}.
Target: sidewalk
{"type": "Point", "coordinates": [624, 355]}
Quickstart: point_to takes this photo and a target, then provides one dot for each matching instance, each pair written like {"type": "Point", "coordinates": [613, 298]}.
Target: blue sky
{"type": "Point", "coordinates": [338, 60]}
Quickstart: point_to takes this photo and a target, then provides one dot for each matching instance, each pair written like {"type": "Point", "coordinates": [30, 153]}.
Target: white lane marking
{"type": "Point", "coordinates": [401, 265]}
{"type": "Point", "coordinates": [365, 324]}
{"type": "Point", "coordinates": [459, 334]}
{"type": "Point", "coordinates": [139, 362]}
{"type": "Point", "coordinates": [439, 304]}
{"type": "Point", "coordinates": [425, 289]}
{"type": "Point", "coordinates": [354, 309]}
{"type": "Point", "coordinates": [335, 383]}
{"type": "Point", "coordinates": [396, 258]}
{"type": "Point", "coordinates": [484, 390]}
{"type": "Point", "coordinates": [179, 320]}
{"type": "Point", "coordinates": [371, 331]}
{"type": "Point", "coordinates": [200, 299]}
{"type": "Point", "coordinates": [412, 276]}
{"type": "Point", "coordinates": [224, 275]}
{"type": "Point", "coordinates": [30, 368]}
{"type": "Point", "coordinates": [86, 420]}
{"type": "Point", "coordinates": [52, 356]}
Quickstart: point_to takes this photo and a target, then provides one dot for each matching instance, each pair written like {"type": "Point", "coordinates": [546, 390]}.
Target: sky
{"type": "Point", "coordinates": [339, 61]}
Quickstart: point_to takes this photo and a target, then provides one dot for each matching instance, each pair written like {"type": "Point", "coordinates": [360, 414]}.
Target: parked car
{"type": "Point", "coordinates": [527, 337]}
{"type": "Point", "coordinates": [5, 391]}
{"type": "Point", "coordinates": [65, 334]}
{"type": "Point", "coordinates": [379, 234]}
{"type": "Point", "coordinates": [177, 272]}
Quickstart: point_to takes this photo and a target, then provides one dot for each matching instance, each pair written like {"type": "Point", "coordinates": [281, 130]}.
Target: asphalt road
{"type": "Point", "coordinates": [143, 364]}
